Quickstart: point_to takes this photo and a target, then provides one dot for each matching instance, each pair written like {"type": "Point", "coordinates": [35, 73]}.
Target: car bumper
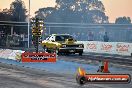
{"type": "Point", "coordinates": [71, 50]}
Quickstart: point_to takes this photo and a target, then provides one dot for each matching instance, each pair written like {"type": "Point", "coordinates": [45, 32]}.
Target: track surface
{"type": "Point", "coordinates": [20, 77]}
{"type": "Point", "coordinates": [118, 61]}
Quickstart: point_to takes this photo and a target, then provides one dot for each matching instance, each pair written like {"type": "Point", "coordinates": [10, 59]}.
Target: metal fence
{"type": "Point", "coordinates": [115, 33]}
{"type": "Point", "coordinates": [81, 32]}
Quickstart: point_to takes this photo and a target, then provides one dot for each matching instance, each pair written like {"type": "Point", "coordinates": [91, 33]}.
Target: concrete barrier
{"type": "Point", "coordinates": [119, 48]}
{"type": "Point", "coordinates": [10, 54]}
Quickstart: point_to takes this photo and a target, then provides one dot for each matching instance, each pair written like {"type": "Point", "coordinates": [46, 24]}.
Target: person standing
{"type": "Point", "coordinates": [90, 36]}
{"type": "Point", "coordinates": [106, 37]}
{"type": "Point", "coordinates": [24, 38]}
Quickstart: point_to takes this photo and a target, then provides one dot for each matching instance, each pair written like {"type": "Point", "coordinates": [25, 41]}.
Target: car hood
{"type": "Point", "coordinates": [68, 41]}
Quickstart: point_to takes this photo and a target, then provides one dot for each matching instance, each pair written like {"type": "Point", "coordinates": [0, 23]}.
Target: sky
{"type": "Point", "coordinates": [113, 8]}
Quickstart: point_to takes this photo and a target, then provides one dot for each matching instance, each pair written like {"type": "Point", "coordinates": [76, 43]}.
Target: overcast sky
{"type": "Point", "coordinates": [113, 8]}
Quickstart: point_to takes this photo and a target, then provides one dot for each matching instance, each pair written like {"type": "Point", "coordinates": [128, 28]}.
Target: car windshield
{"type": "Point", "coordinates": [63, 37]}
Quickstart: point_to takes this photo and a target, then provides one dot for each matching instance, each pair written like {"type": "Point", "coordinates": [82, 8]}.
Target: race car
{"type": "Point", "coordinates": [63, 43]}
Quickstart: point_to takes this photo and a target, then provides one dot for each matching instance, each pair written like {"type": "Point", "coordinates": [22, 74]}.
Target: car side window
{"type": "Point", "coordinates": [58, 38]}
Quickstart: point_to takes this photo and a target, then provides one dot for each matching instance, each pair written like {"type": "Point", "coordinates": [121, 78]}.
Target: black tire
{"type": "Point", "coordinates": [45, 48]}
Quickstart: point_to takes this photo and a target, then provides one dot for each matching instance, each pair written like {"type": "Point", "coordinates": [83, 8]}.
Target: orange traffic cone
{"type": "Point", "coordinates": [106, 67]}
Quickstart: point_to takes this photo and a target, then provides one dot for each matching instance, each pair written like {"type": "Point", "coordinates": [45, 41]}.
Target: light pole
{"type": "Point", "coordinates": [28, 23]}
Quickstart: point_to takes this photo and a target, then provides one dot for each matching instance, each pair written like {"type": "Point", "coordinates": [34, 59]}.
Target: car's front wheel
{"type": "Point", "coordinates": [45, 48]}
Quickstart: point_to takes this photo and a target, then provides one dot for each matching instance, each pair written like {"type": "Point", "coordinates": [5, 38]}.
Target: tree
{"type": "Point", "coordinates": [81, 11]}
{"type": "Point", "coordinates": [5, 15]}
{"type": "Point", "coordinates": [18, 14]}
{"type": "Point", "coordinates": [123, 20]}
{"type": "Point", "coordinates": [18, 10]}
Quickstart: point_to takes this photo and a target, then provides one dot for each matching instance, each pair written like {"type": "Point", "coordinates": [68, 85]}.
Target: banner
{"type": "Point", "coordinates": [38, 57]}
{"type": "Point", "coordinates": [119, 48]}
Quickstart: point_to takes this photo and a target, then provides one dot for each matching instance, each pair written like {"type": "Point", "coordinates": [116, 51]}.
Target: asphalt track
{"type": "Point", "coordinates": [88, 58]}
{"type": "Point", "coordinates": [21, 77]}
{"type": "Point", "coordinates": [13, 76]}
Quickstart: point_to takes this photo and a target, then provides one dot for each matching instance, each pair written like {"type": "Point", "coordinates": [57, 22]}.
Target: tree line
{"type": "Point", "coordinates": [16, 12]}
{"type": "Point", "coordinates": [75, 11]}
{"type": "Point", "coordinates": [78, 11]}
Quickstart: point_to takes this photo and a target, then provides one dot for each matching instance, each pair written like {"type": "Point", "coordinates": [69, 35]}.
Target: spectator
{"type": "Point", "coordinates": [100, 36]}
{"type": "Point", "coordinates": [24, 38]}
{"type": "Point", "coordinates": [82, 37]}
{"type": "Point", "coordinates": [74, 35]}
{"type": "Point", "coordinates": [78, 36]}
{"type": "Point", "coordinates": [90, 36]}
{"type": "Point", "coordinates": [106, 37]}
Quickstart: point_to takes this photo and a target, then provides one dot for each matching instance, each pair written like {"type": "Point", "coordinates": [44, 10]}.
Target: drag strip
{"type": "Point", "coordinates": [62, 74]}
{"type": "Point", "coordinates": [12, 76]}
{"type": "Point", "coordinates": [94, 58]}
